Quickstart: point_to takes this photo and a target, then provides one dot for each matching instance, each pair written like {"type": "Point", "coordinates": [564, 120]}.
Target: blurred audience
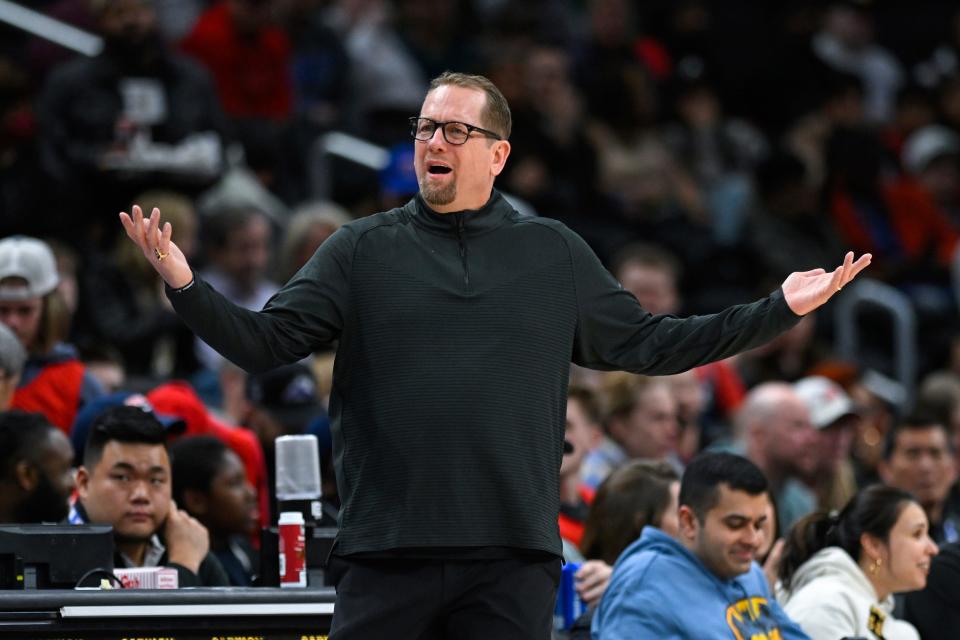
{"type": "Point", "coordinates": [54, 382]}
{"type": "Point", "coordinates": [123, 304]}
{"type": "Point", "coordinates": [640, 423]}
{"type": "Point", "coordinates": [137, 115]}
{"type": "Point", "coordinates": [931, 155]}
{"type": "Point", "coordinates": [248, 56]}
{"type": "Point", "coordinates": [846, 42]}
{"type": "Point", "coordinates": [238, 251]}
{"type": "Point", "coordinates": [309, 227]}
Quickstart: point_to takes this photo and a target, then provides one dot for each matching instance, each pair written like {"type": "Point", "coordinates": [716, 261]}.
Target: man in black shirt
{"type": "Point", "coordinates": [456, 321]}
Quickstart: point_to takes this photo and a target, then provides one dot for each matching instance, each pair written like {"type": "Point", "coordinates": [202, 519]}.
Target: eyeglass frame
{"type": "Point", "coordinates": [413, 120]}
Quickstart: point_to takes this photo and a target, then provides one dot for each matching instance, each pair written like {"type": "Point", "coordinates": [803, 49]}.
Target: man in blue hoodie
{"type": "Point", "coordinates": [706, 584]}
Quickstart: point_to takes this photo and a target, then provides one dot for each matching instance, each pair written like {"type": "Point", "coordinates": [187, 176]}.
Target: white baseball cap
{"type": "Point", "coordinates": [927, 144]}
{"type": "Point", "coordinates": [28, 260]}
{"type": "Point", "coordinates": [825, 399]}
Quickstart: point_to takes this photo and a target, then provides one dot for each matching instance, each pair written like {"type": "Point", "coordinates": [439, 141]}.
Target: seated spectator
{"type": "Point", "coordinates": [309, 227]}
{"type": "Point", "coordinates": [719, 152]}
{"type": "Point", "coordinates": [210, 483]}
{"type": "Point", "coordinates": [775, 433]}
{"type": "Point", "coordinates": [834, 416]}
{"type": "Point", "coordinates": [582, 434]}
{"type": "Point", "coordinates": [125, 482]}
{"type": "Point", "coordinates": [653, 275]}
{"type": "Point", "coordinates": [54, 382]}
{"type": "Point", "coordinates": [897, 221]}
{"type": "Point", "coordinates": [691, 398]}
{"type": "Point", "coordinates": [36, 472]}
{"type": "Point", "coordinates": [12, 358]}
{"type": "Point", "coordinates": [932, 156]}
{"type": "Point", "coordinates": [123, 306]}
{"type": "Point", "coordinates": [641, 423]}
{"type": "Point", "coordinates": [704, 583]}
{"type": "Point", "coordinates": [238, 253]}
{"type": "Point", "coordinates": [935, 610]}
{"type": "Point", "coordinates": [839, 572]}
{"type": "Point", "coordinates": [918, 458]}
{"type": "Point", "coordinates": [636, 495]}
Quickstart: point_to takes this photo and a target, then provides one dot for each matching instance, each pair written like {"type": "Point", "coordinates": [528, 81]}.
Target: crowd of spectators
{"type": "Point", "coordinates": [704, 150]}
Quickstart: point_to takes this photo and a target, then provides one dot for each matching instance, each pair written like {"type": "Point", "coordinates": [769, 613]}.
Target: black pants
{"type": "Point", "coordinates": [510, 599]}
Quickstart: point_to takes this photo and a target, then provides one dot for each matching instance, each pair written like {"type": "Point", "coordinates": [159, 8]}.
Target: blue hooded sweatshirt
{"type": "Point", "coordinates": [661, 590]}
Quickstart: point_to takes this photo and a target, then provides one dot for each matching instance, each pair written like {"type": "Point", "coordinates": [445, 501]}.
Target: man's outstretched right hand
{"type": "Point", "coordinates": [157, 247]}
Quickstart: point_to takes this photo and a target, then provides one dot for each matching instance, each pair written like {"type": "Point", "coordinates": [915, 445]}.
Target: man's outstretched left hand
{"type": "Point", "coordinates": [804, 291]}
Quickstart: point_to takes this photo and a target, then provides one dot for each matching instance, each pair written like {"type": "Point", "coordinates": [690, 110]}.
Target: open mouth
{"type": "Point", "coordinates": [439, 170]}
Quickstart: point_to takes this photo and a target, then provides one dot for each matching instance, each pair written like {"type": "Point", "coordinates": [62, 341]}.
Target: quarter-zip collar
{"type": "Point", "coordinates": [471, 221]}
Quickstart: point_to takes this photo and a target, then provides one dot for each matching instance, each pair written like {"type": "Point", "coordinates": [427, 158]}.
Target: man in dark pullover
{"type": "Point", "coordinates": [456, 322]}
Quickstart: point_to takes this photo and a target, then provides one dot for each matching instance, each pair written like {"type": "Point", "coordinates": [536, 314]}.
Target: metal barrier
{"type": "Point", "coordinates": [863, 293]}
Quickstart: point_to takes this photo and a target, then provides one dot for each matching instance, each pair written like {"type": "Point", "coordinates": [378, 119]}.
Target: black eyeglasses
{"type": "Point", "coordinates": [453, 132]}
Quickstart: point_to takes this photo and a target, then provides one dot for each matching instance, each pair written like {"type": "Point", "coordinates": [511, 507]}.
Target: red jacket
{"type": "Point", "coordinates": [54, 392]}
{"type": "Point", "coordinates": [253, 76]}
{"type": "Point", "coordinates": [915, 221]}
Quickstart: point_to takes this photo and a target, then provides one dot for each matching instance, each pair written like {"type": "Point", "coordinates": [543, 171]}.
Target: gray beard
{"type": "Point", "coordinates": [438, 196]}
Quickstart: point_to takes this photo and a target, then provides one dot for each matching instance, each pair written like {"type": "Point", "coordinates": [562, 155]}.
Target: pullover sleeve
{"type": "Point", "coordinates": [614, 332]}
{"type": "Point", "coordinates": [307, 313]}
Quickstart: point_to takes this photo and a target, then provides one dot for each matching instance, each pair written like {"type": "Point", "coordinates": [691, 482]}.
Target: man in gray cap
{"type": "Point", "coordinates": [835, 418]}
{"type": "Point", "coordinates": [12, 358]}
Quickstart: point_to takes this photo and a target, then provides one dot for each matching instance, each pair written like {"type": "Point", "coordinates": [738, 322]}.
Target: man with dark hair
{"type": "Point", "coordinates": [125, 482]}
{"type": "Point", "coordinates": [210, 483]}
{"type": "Point", "coordinates": [456, 320]}
{"type": "Point", "coordinates": [36, 475]}
{"type": "Point", "coordinates": [706, 584]}
{"type": "Point", "coordinates": [918, 458]}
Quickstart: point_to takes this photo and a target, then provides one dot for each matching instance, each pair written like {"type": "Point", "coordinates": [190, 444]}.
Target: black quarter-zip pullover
{"type": "Point", "coordinates": [456, 332]}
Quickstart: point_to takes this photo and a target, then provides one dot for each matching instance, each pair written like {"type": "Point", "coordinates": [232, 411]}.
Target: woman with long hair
{"type": "Point", "coordinates": [636, 495]}
{"type": "Point", "coordinates": [839, 571]}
